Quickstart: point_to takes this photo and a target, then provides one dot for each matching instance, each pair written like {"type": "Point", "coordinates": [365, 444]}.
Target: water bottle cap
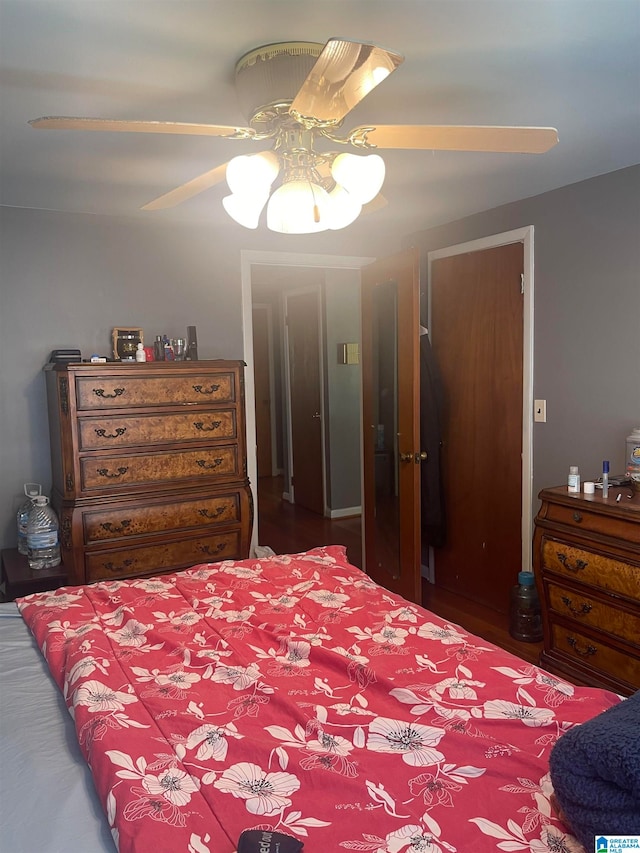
{"type": "Point", "coordinates": [573, 469]}
{"type": "Point", "coordinates": [31, 490]}
{"type": "Point", "coordinates": [41, 500]}
{"type": "Point", "coordinates": [525, 578]}
{"type": "Point", "coordinates": [605, 466]}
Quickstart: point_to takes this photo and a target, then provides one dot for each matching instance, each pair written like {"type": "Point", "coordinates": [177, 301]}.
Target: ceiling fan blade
{"type": "Point", "coordinates": [178, 127]}
{"type": "Point", "coordinates": [377, 203]}
{"type": "Point", "coordinates": [517, 140]}
{"type": "Point", "coordinates": [188, 190]}
{"type": "Point", "coordinates": [344, 73]}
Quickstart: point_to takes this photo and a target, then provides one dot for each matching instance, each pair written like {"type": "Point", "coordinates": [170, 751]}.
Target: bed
{"type": "Point", "coordinates": [289, 693]}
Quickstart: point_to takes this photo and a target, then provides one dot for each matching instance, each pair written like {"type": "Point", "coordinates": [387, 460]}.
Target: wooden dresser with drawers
{"type": "Point", "coordinates": [149, 466]}
{"type": "Point", "coordinates": [586, 557]}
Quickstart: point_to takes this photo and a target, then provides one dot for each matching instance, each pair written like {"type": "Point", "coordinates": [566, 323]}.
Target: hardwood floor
{"type": "Point", "coordinates": [289, 529]}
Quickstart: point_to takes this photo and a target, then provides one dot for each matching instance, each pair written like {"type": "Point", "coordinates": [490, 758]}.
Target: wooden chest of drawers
{"type": "Point", "coordinates": [586, 556]}
{"type": "Point", "coordinates": [149, 466]}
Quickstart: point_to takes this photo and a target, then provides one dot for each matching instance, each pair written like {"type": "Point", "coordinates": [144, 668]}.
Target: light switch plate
{"type": "Point", "coordinates": [540, 411]}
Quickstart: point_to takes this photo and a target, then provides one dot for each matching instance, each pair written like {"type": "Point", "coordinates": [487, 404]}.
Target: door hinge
{"type": "Point", "coordinates": [521, 282]}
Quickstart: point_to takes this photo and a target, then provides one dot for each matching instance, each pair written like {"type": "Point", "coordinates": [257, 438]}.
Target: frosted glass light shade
{"type": "Point", "coordinates": [250, 173]}
{"type": "Point", "coordinates": [245, 208]}
{"type": "Point", "coordinates": [299, 207]}
{"type": "Point", "coordinates": [345, 209]}
{"type": "Point", "coordinates": [362, 177]}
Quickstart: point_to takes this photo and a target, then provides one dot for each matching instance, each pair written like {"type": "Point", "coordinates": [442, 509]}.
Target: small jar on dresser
{"type": "Point", "coordinates": [149, 466]}
{"type": "Point", "coordinates": [586, 558]}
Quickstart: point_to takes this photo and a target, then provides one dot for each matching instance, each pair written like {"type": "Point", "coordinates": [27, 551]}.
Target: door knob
{"type": "Point", "coordinates": [417, 457]}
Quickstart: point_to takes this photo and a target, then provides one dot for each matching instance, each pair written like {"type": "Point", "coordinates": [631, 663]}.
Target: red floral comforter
{"type": "Point", "coordinates": [294, 694]}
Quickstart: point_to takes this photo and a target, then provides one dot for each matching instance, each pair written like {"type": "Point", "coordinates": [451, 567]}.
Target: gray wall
{"type": "Point", "coordinates": [67, 280]}
{"type": "Point", "coordinates": [586, 316]}
{"type": "Point", "coordinates": [343, 384]}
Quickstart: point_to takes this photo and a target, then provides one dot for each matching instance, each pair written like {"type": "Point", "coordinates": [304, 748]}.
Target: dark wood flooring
{"type": "Point", "coordinates": [288, 529]}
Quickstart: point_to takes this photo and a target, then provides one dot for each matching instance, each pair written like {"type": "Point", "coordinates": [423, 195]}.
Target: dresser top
{"type": "Point", "coordinates": [120, 366]}
{"type": "Point", "coordinates": [628, 507]}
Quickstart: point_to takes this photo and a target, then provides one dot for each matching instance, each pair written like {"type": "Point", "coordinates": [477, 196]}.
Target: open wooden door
{"type": "Point", "coordinates": [305, 398]}
{"type": "Point", "coordinates": [476, 327]}
{"type": "Point", "coordinates": [262, 379]}
{"type": "Point", "coordinates": [391, 422]}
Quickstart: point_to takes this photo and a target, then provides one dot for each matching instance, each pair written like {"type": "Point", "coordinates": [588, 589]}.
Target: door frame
{"type": "Point", "coordinates": [525, 236]}
{"type": "Point", "coordinates": [249, 258]}
{"type": "Point", "coordinates": [267, 308]}
{"type": "Point", "coordinates": [287, 385]}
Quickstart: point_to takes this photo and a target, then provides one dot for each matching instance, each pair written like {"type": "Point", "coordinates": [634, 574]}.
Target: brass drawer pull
{"type": "Point", "coordinates": [200, 390]}
{"type": "Point", "coordinates": [207, 549]}
{"type": "Point", "coordinates": [126, 522]}
{"type": "Point", "coordinates": [579, 565]}
{"type": "Point", "coordinates": [100, 392]}
{"type": "Point", "coordinates": [204, 464]}
{"type": "Point", "coordinates": [577, 517]}
{"type": "Point", "coordinates": [583, 652]}
{"type": "Point", "coordinates": [586, 608]}
{"type": "Point", "coordinates": [104, 472]}
{"type": "Point", "coordinates": [205, 513]}
{"type": "Point", "coordinates": [102, 433]}
{"type": "Point", "coordinates": [110, 567]}
{"type": "Point", "coordinates": [200, 425]}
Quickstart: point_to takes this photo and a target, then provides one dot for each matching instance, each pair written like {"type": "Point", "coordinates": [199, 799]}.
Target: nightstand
{"type": "Point", "coordinates": [18, 579]}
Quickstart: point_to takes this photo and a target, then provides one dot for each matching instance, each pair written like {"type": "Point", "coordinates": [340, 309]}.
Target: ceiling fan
{"type": "Point", "coordinates": [297, 95]}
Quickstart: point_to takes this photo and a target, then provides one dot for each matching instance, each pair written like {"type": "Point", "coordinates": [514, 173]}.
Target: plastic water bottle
{"type": "Point", "coordinates": [31, 490]}
{"type": "Point", "coordinates": [525, 620]}
{"type": "Point", "coordinates": [43, 547]}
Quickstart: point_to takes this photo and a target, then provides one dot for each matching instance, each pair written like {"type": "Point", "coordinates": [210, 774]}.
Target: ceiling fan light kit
{"type": "Point", "coordinates": [297, 95]}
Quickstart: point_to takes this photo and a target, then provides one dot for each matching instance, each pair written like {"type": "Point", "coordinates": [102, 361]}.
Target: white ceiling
{"type": "Point", "coordinates": [570, 64]}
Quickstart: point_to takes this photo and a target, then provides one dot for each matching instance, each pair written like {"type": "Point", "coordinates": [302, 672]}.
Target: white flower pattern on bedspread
{"type": "Point", "coordinates": [293, 694]}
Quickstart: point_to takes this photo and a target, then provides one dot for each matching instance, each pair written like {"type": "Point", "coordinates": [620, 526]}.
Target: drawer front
{"type": "Point", "coordinates": [589, 611]}
{"type": "Point", "coordinates": [106, 392]}
{"type": "Point", "coordinates": [587, 567]}
{"type": "Point", "coordinates": [593, 522]}
{"type": "Point", "coordinates": [163, 557]}
{"type": "Point", "coordinates": [124, 431]}
{"type": "Point", "coordinates": [115, 473]}
{"type": "Point", "coordinates": [596, 654]}
{"type": "Point", "coordinates": [127, 521]}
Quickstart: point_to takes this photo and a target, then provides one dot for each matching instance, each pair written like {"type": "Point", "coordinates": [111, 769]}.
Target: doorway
{"type": "Point", "coordinates": [265, 390]}
{"type": "Point", "coordinates": [305, 383]}
{"type": "Point", "coordinates": [249, 260]}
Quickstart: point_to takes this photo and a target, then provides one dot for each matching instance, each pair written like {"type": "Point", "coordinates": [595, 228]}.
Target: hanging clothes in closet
{"type": "Point", "coordinates": [433, 521]}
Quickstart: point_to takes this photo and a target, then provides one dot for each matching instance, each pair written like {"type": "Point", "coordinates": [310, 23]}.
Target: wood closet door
{"type": "Point", "coordinates": [476, 328]}
{"type": "Point", "coordinates": [391, 422]}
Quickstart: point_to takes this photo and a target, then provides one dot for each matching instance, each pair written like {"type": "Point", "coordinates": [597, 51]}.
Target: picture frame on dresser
{"type": "Point", "coordinates": [149, 469]}
{"type": "Point", "coordinates": [586, 559]}
{"type": "Point", "coordinates": [124, 342]}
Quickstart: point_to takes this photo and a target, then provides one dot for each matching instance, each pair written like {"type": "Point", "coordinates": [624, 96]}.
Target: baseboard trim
{"type": "Point", "coordinates": [346, 512]}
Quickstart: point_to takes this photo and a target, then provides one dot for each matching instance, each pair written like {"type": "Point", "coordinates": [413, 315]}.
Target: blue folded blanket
{"type": "Point", "coordinates": [595, 771]}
